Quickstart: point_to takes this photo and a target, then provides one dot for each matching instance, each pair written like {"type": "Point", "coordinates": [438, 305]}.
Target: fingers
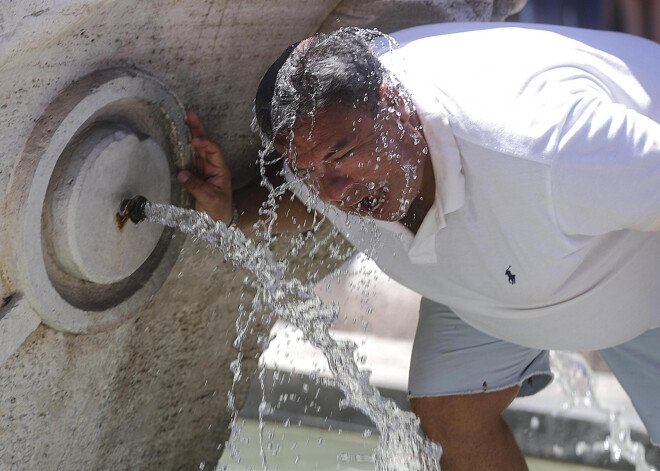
{"type": "Point", "coordinates": [211, 182]}
{"type": "Point", "coordinates": [215, 201]}
{"type": "Point", "coordinates": [208, 154]}
{"type": "Point", "coordinates": [195, 125]}
{"type": "Point", "coordinates": [208, 150]}
{"type": "Point", "coordinates": [210, 162]}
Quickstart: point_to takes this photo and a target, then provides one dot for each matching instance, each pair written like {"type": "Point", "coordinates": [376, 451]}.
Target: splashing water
{"type": "Point", "coordinates": [401, 447]}
{"type": "Point", "coordinates": [576, 380]}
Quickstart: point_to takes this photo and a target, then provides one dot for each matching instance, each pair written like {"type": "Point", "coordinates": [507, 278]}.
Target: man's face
{"type": "Point", "coordinates": [362, 163]}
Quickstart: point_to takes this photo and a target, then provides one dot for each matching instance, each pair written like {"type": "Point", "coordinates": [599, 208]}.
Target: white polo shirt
{"type": "Point", "coordinates": [545, 145]}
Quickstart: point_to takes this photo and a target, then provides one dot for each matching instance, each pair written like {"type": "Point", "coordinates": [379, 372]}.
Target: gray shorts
{"type": "Point", "coordinates": [449, 358]}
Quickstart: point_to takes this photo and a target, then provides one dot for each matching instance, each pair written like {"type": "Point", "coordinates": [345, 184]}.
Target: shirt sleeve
{"type": "Point", "coordinates": [606, 171]}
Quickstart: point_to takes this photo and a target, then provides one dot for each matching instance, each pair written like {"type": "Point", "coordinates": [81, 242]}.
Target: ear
{"type": "Point", "coordinates": [390, 96]}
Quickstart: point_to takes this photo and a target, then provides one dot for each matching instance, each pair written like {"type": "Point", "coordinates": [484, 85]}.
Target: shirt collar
{"type": "Point", "coordinates": [447, 170]}
{"type": "Point", "coordinates": [448, 174]}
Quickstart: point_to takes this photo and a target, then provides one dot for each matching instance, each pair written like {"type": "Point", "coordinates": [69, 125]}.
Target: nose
{"type": "Point", "coordinates": [333, 186]}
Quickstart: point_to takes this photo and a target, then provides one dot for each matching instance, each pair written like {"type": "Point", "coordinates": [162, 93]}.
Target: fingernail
{"type": "Point", "coordinates": [183, 176]}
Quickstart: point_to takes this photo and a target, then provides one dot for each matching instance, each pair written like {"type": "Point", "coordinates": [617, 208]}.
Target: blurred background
{"type": "Point", "coordinates": [638, 17]}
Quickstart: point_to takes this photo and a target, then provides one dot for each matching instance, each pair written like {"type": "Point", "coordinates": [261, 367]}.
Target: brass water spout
{"type": "Point", "coordinates": [132, 209]}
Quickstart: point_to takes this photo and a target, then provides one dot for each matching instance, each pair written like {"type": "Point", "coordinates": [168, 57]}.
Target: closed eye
{"type": "Point", "coordinates": [343, 156]}
{"type": "Point", "coordinates": [341, 151]}
{"type": "Point", "coordinates": [339, 156]}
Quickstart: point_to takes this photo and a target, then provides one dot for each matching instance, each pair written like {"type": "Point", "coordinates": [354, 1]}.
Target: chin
{"type": "Point", "coordinates": [398, 213]}
{"type": "Point", "coordinates": [391, 211]}
{"type": "Point", "coordinates": [381, 214]}
{"type": "Point", "coordinates": [390, 216]}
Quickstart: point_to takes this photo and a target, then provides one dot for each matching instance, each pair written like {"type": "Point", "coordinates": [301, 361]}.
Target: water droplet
{"type": "Point", "coordinates": [534, 423]}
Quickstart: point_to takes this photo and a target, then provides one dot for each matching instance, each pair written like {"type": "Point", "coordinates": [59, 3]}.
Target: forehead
{"type": "Point", "coordinates": [327, 130]}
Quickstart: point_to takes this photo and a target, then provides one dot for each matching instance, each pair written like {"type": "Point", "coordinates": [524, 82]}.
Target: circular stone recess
{"type": "Point", "coordinates": [111, 135]}
{"type": "Point", "coordinates": [111, 164]}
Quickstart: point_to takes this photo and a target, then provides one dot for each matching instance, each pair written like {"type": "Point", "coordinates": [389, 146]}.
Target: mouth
{"type": "Point", "coordinates": [370, 203]}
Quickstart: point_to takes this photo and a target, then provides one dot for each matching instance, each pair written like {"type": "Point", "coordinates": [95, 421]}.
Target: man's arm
{"type": "Point", "coordinates": [210, 184]}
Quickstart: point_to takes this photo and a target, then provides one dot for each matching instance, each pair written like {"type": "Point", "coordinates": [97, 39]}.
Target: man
{"type": "Point", "coordinates": [509, 174]}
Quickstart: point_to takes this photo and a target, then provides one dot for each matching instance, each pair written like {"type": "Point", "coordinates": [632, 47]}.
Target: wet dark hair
{"type": "Point", "coordinates": [328, 69]}
{"type": "Point", "coordinates": [266, 90]}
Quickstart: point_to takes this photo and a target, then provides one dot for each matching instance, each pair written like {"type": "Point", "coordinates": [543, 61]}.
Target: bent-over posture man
{"type": "Point", "coordinates": [509, 174]}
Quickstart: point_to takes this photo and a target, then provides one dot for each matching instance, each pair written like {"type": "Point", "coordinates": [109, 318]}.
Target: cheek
{"type": "Point", "coordinates": [400, 180]}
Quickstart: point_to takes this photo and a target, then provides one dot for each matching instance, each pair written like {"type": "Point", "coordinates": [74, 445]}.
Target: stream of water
{"type": "Point", "coordinates": [576, 380]}
{"type": "Point", "coordinates": [401, 446]}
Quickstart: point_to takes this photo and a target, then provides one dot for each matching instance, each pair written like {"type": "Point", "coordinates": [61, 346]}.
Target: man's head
{"type": "Point", "coordinates": [331, 108]}
{"type": "Point", "coordinates": [315, 73]}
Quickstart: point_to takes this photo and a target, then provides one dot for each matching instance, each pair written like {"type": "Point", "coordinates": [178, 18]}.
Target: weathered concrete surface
{"type": "Point", "coordinates": [393, 15]}
{"type": "Point", "coordinates": [152, 393]}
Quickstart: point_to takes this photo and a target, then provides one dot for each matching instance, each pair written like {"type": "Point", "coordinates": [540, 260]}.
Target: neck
{"type": "Point", "coordinates": [421, 205]}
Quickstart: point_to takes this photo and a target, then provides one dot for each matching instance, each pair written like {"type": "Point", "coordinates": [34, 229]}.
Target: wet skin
{"type": "Point", "coordinates": [366, 164]}
{"type": "Point", "coordinates": [345, 160]}
{"type": "Point", "coordinates": [209, 181]}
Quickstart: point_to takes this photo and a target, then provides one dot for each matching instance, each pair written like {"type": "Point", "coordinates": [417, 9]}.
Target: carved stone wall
{"type": "Point", "coordinates": [151, 393]}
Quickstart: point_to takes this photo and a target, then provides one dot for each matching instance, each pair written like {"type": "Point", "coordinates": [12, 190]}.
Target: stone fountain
{"type": "Point", "coordinates": [115, 340]}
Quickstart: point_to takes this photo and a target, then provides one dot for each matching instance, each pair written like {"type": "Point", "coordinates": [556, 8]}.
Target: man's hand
{"type": "Point", "coordinates": [210, 183]}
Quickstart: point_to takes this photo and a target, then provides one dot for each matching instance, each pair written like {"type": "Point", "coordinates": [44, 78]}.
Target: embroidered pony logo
{"type": "Point", "coordinates": [512, 277]}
